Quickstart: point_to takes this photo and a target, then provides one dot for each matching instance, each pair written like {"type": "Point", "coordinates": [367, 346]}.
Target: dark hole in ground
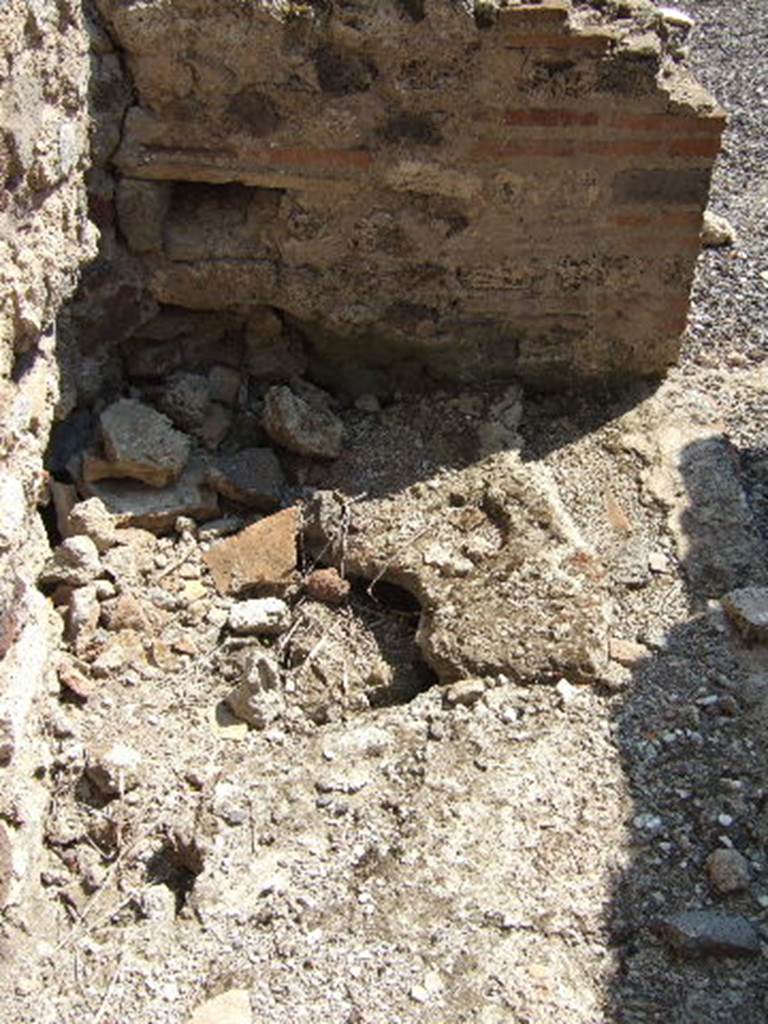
{"type": "Point", "coordinates": [392, 597]}
{"type": "Point", "coordinates": [392, 614]}
{"type": "Point", "coordinates": [166, 867]}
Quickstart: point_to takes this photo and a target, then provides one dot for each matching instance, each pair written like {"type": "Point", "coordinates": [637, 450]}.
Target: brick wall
{"type": "Point", "coordinates": [514, 193]}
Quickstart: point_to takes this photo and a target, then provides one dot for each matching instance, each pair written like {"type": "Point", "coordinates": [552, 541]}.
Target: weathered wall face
{"type": "Point", "coordinates": [422, 184]}
{"type": "Point", "coordinates": [45, 236]}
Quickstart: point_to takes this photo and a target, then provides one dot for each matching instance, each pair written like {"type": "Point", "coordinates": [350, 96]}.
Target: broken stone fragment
{"type": "Point", "coordinates": [747, 609]}
{"type": "Point", "coordinates": [141, 444]}
{"type": "Point", "coordinates": [73, 676]}
{"type": "Point", "coordinates": [252, 477]}
{"type": "Point", "coordinates": [127, 612]}
{"type": "Point", "coordinates": [466, 692]}
{"type": "Point", "coordinates": [132, 557]}
{"type": "Point", "coordinates": [626, 652]}
{"type": "Point", "coordinates": [327, 586]}
{"type": "Point", "coordinates": [82, 617]}
{"type": "Point", "coordinates": [91, 518]}
{"type": "Point", "coordinates": [262, 555]}
{"type": "Point", "coordinates": [728, 871]}
{"type": "Point", "coordinates": [157, 508]}
{"type": "Point", "coordinates": [224, 383]}
{"type": "Point", "coordinates": [566, 692]}
{"type": "Point", "coordinates": [448, 563]}
{"type": "Point", "coordinates": [716, 231]}
{"type": "Point", "coordinates": [259, 617]}
{"type": "Point", "coordinates": [676, 17]}
{"type": "Point", "coordinates": [301, 427]}
{"type": "Point", "coordinates": [500, 429]}
{"type": "Point", "coordinates": [708, 933]}
{"type": "Point", "coordinates": [215, 426]}
{"type": "Point", "coordinates": [185, 399]}
{"type": "Point", "coordinates": [368, 403]}
{"type": "Point", "coordinates": [123, 650]}
{"type": "Point", "coordinates": [114, 770]}
{"type": "Point", "coordinates": [258, 699]}
{"type": "Point", "coordinates": [75, 562]}
{"type": "Point", "coordinates": [269, 353]}
{"type": "Point", "coordinates": [64, 498]}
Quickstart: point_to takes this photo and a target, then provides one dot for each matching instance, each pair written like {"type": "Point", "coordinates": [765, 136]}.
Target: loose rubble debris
{"type": "Point", "coordinates": [728, 871]}
{"type": "Point", "coordinates": [157, 508]}
{"type": "Point", "coordinates": [258, 699]}
{"type": "Point", "coordinates": [186, 400]}
{"type": "Point", "coordinates": [139, 443]}
{"type": "Point", "coordinates": [747, 608]}
{"type": "Point", "coordinates": [716, 231]}
{"type": "Point", "coordinates": [252, 477]}
{"type": "Point", "coordinates": [698, 933]}
{"type": "Point", "coordinates": [74, 563]}
{"type": "Point", "coordinates": [260, 617]}
{"type": "Point", "coordinates": [545, 613]}
{"type": "Point", "coordinates": [262, 555]}
{"type": "Point", "coordinates": [466, 692]}
{"type": "Point", "coordinates": [328, 586]}
{"type": "Point", "coordinates": [91, 518]}
{"type": "Point", "coordinates": [303, 423]}
{"type": "Point", "coordinates": [390, 608]}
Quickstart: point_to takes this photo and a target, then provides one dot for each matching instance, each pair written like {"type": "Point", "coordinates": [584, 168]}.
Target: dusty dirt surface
{"type": "Point", "coordinates": [431, 819]}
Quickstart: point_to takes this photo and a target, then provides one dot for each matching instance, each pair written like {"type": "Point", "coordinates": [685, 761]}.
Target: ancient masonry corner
{"type": "Point", "coordinates": [369, 193]}
{"type": "Point", "coordinates": [417, 189]}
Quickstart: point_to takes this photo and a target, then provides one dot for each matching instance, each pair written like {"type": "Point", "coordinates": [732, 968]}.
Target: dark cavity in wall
{"type": "Point", "coordinates": [252, 111]}
{"type": "Point", "coordinates": [414, 9]}
{"type": "Point", "coordinates": [410, 128]}
{"type": "Point", "coordinates": [341, 74]}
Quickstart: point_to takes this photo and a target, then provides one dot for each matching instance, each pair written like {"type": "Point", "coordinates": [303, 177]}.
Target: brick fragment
{"type": "Point", "coordinates": [261, 556]}
{"type": "Point", "coordinates": [538, 116]}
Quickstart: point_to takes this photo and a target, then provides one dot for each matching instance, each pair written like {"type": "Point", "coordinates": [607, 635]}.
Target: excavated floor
{"type": "Point", "coordinates": [391, 845]}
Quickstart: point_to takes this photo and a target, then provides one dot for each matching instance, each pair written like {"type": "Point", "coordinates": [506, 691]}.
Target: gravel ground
{"type": "Point", "coordinates": [729, 322]}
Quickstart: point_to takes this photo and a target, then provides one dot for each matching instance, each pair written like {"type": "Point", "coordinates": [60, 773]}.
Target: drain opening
{"type": "Point", "coordinates": [392, 613]}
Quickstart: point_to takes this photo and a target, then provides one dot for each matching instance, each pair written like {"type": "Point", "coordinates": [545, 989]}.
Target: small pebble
{"type": "Point", "coordinates": [728, 871]}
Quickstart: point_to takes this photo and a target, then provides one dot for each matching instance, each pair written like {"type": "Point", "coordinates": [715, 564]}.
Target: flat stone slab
{"type": "Point", "coordinates": [251, 477]}
{"type": "Point", "coordinates": [260, 556]}
{"type": "Point", "coordinates": [157, 508]}
{"type": "Point", "coordinates": [141, 443]}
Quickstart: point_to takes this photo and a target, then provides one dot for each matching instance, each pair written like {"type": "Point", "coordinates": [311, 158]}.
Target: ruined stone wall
{"type": "Point", "coordinates": [45, 236]}
{"type": "Point", "coordinates": [470, 190]}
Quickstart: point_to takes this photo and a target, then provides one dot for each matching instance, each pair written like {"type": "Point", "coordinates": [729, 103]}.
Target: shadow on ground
{"type": "Point", "coordinates": [692, 736]}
